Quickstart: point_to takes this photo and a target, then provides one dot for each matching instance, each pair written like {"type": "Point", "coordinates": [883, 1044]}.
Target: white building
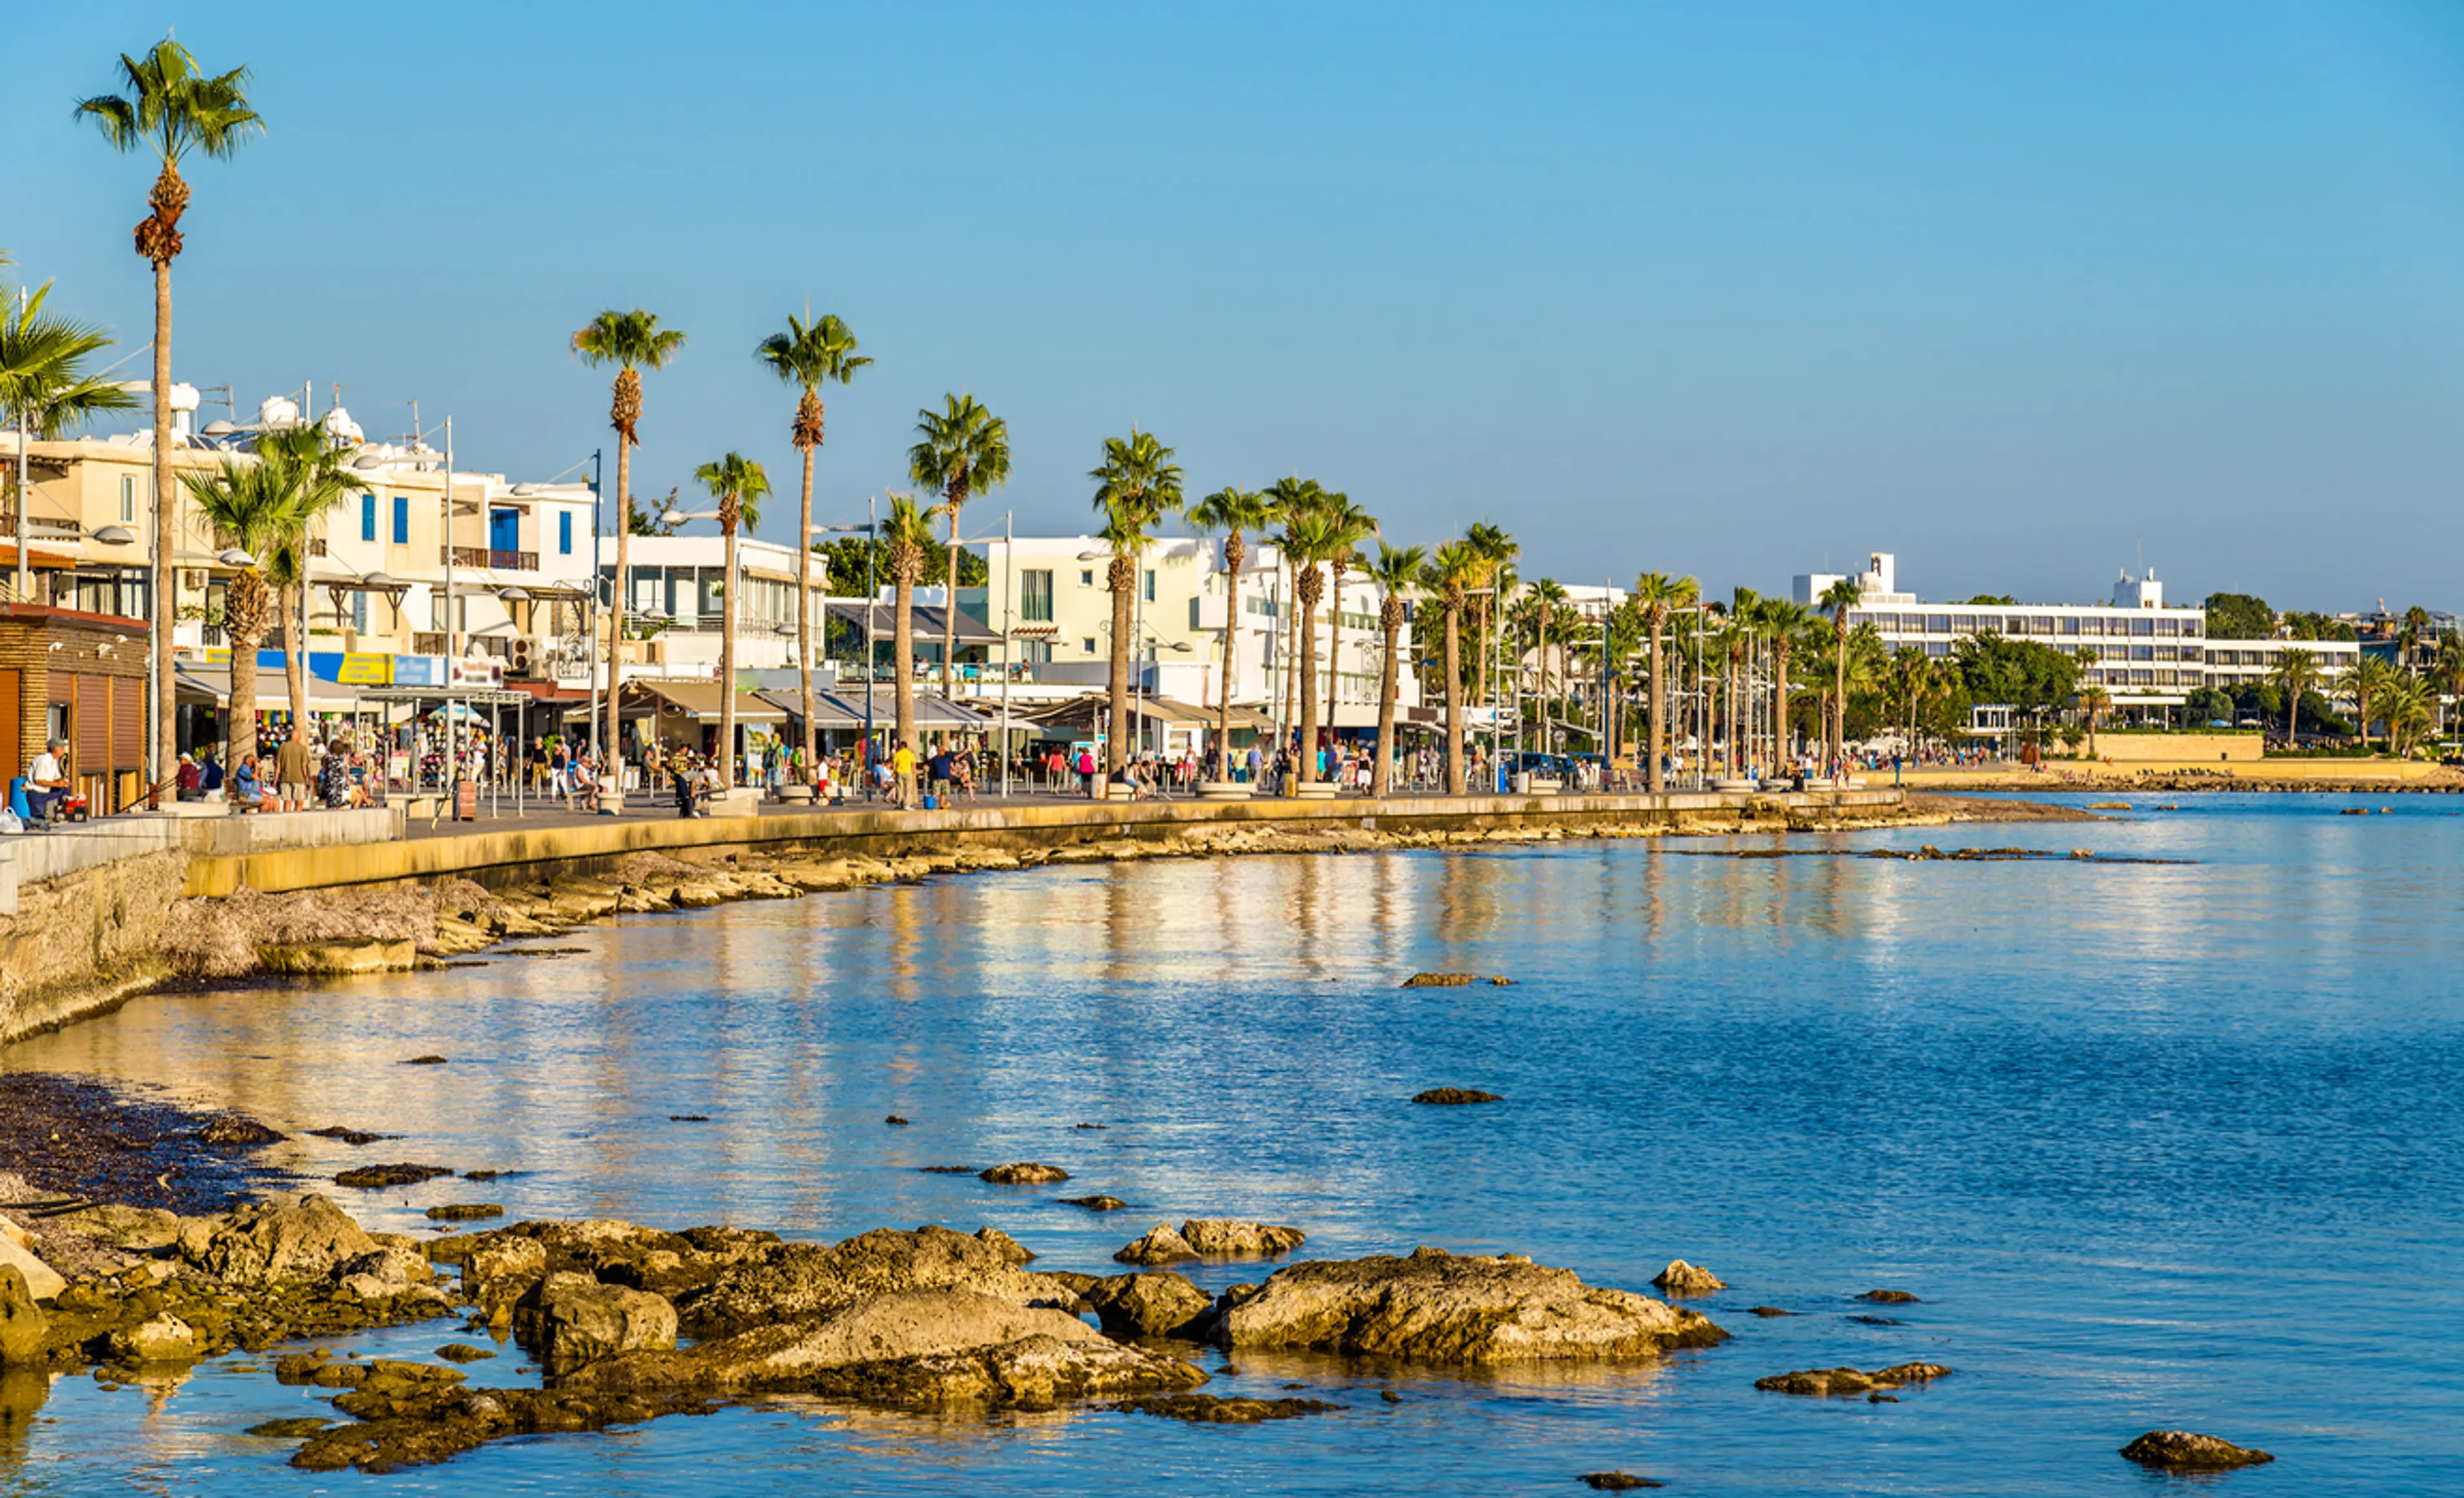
{"type": "Point", "coordinates": [682, 580]}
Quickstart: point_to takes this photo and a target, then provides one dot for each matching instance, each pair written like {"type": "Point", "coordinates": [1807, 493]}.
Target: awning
{"type": "Point", "coordinates": [702, 700]}
{"type": "Point", "coordinates": [198, 685]}
{"type": "Point", "coordinates": [1082, 713]}
{"type": "Point", "coordinates": [924, 619]}
{"type": "Point", "coordinates": [932, 710]}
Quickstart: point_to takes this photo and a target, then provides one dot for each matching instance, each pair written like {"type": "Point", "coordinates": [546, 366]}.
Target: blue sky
{"type": "Point", "coordinates": [2018, 291]}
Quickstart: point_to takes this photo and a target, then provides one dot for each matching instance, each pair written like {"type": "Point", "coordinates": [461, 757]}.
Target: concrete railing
{"type": "Point", "coordinates": [36, 858]}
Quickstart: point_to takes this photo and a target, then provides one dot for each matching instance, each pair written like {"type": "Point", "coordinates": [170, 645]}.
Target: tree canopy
{"type": "Point", "coordinates": [2239, 616]}
{"type": "Point", "coordinates": [2023, 673]}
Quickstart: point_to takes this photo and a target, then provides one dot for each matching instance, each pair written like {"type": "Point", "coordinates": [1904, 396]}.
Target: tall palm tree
{"type": "Point", "coordinates": [633, 341]}
{"type": "Point", "coordinates": [1544, 604]}
{"type": "Point", "coordinates": [739, 485]}
{"type": "Point", "coordinates": [1449, 575]}
{"type": "Point", "coordinates": [1496, 550]}
{"type": "Point", "coordinates": [1308, 540]}
{"type": "Point", "coordinates": [1350, 526]}
{"type": "Point", "coordinates": [962, 450]}
{"type": "Point", "coordinates": [1289, 496]}
{"type": "Point", "coordinates": [1786, 623]}
{"type": "Point", "coordinates": [1136, 485]}
{"type": "Point", "coordinates": [1235, 512]}
{"type": "Point", "coordinates": [1661, 597]}
{"type": "Point", "coordinates": [45, 388]}
{"type": "Point", "coordinates": [251, 507]}
{"type": "Point", "coordinates": [809, 355]}
{"type": "Point", "coordinates": [2404, 707]}
{"type": "Point", "coordinates": [1836, 601]}
{"type": "Point", "coordinates": [908, 533]}
{"type": "Point", "coordinates": [2448, 670]}
{"type": "Point", "coordinates": [171, 108]}
{"type": "Point", "coordinates": [1396, 574]}
{"type": "Point", "coordinates": [2295, 671]}
{"type": "Point", "coordinates": [2094, 703]}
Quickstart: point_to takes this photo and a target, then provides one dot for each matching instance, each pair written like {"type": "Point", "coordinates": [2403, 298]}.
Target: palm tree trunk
{"type": "Point", "coordinates": [1653, 775]}
{"type": "Point", "coordinates": [903, 662]}
{"type": "Point", "coordinates": [1334, 649]}
{"type": "Point", "coordinates": [950, 607]}
{"type": "Point", "coordinates": [728, 600]}
{"type": "Point", "coordinates": [1380, 778]}
{"type": "Point", "coordinates": [295, 638]}
{"type": "Point", "coordinates": [1838, 696]}
{"type": "Point", "coordinates": [1458, 777]}
{"type": "Point", "coordinates": [1291, 627]}
{"type": "Point", "coordinates": [1307, 760]}
{"type": "Point", "coordinates": [166, 533]}
{"type": "Point", "coordinates": [1124, 581]}
{"type": "Point", "coordinates": [240, 734]}
{"type": "Point", "coordinates": [1231, 623]}
{"type": "Point", "coordinates": [804, 609]}
{"type": "Point", "coordinates": [610, 750]}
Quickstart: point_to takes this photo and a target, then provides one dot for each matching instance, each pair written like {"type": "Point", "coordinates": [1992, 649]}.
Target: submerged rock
{"type": "Point", "coordinates": [1769, 1312]}
{"type": "Point", "coordinates": [1616, 1481]}
{"type": "Point", "coordinates": [1681, 1278]}
{"type": "Point", "coordinates": [369, 1178]}
{"type": "Point", "coordinates": [1455, 1096]}
{"type": "Point", "coordinates": [1889, 1297]}
{"type": "Point", "coordinates": [464, 1353]}
{"type": "Point", "coordinates": [1436, 1307]}
{"type": "Point", "coordinates": [1156, 1303]}
{"type": "Point", "coordinates": [238, 1129]}
{"type": "Point", "coordinates": [1025, 1173]}
{"type": "Point", "coordinates": [347, 1135]}
{"type": "Point", "coordinates": [1095, 1204]}
{"type": "Point", "coordinates": [2186, 1451]}
{"type": "Point", "coordinates": [1223, 1238]}
{"type": "Point", "coordinates": [1440, 981]}
{"type": "Point", "coordinates": [1819, 1381]}
{"type": "Point", "coordinates": [1207, 1409]}
{"type": "Point", "coordinates": [464, 1212]}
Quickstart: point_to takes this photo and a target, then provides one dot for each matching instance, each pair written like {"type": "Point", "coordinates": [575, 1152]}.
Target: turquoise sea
{"type": "Point", "coordinates": [2157, 1144]}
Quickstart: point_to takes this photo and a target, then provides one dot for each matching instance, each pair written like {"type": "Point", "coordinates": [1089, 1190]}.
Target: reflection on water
{"type": "Point", "coordinates": [2099, 1116]}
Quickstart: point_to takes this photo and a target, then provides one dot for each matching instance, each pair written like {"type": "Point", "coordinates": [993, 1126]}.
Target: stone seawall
{"type": "Point", "coordinates": [83, 942]}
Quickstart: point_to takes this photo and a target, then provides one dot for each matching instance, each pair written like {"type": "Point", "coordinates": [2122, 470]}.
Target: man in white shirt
{"type": "Point", "coordinates": [47, 781]}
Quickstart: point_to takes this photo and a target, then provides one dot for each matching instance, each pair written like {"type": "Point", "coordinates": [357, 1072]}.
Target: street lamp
{"type": "Point", "coordinates": [871, 528]}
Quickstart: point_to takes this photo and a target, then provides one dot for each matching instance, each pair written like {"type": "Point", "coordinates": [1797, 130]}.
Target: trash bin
{"type": "Point", "coordinates": [931, 802]}
{"type": "Point", "coordinates": [1523, 782]}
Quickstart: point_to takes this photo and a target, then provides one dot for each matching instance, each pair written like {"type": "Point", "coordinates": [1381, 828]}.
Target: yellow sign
{"type": "Point", "coordinates": [360, 669]}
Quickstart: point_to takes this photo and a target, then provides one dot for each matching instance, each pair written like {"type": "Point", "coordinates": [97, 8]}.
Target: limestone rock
{"type": "Point", "coordinates": [22, 1322]}
{"type": "Point", "coordinates": [787, 1280]}
{"type": "Point", "coordinates": [1455, 1096]}
{"type": "Point", "coordinates": [1819, 1381]}
{"type": "Point", "coordinates": [1009, 1248]}
{"type": "Point", "coordinates": [1158, 1303]}
{"type": "Point", "coordinates": [1439, 981]}
{"type": "Point", "coordinates": [569, 1321]}
{"type": "Point", "coordinates": [160, 1338]}
{"type": "Point", "coordinates": [304, 1238]}
{"type": "Point", "coordinates": [1206, 1409]}
{"type": "Point", "coordinates": [1436, 1307]}
{"type": "Point", "coordinates": [1223, 1238]}
{"type": "Point", "coordinates": [1681, 1278]}
{"type": "Point", "coordinates": [498, 1269]}
{"type": "Point", "coordinates": [1025, 1173]}
{"type": "Point", "coordinates": [136, 1229]}
{"type": "Point", "coordinates": [1889, 1297]}
{"type": "Point", "coordinates": [1160, 1244]}
{"type": "Point", "coordinates": [1095, 1204]}
{"type": "Point", "coordinates": [42, 1280]}
{"type": "Point", "coordinates": [2188, 1451]}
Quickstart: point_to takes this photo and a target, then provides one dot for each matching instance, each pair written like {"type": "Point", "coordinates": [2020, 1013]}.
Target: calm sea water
{"type": "Point", "coordinates": [2158, 1144]}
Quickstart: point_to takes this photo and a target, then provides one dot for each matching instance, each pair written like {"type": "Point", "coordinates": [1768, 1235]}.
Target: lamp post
{"type": "Point", "coordinates": [871, 528]}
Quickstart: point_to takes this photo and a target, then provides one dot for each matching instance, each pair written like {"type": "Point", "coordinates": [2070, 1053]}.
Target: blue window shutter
{"type": "Point", "coordinates": [402, 519]}
{"type": "Point", "coordinates": [367, 517]}
{"type": "Point", "coordinates": [564, 531]}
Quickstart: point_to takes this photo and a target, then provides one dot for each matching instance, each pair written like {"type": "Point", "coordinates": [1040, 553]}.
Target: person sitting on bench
{"type": "Point", "coordinates": [246, 794]}
{"type": "Point", "coordinates": [47, 781]}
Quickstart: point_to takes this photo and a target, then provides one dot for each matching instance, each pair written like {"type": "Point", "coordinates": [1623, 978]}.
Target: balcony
{"type": "Point", "coordinates": [487, 556]}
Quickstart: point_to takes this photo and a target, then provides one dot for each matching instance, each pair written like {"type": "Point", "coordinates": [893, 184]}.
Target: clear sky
{"type": "Point", "coordinates": [2021, 292]}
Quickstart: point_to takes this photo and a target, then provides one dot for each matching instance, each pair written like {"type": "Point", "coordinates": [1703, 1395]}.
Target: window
{"type": "Point", "coordinates": [402, 519]}
{"type": "Point", "coordinates": [360, 603]}
{"type": "Point", "coordinates": [1937, 623]}
{"type": "Point", "coordinates": [1089, 646]}
{"type": "Point", "coordinates": [1035, 595]}
{"type": "Point", "coordinates": [564, 533]}
{"type": "Point", "coordinates": [367, 517]}
{"type": "Point", "coordinates": [1087, 578]}
{"type": "Point", "coordinates": [1193, 613]}
{"type": "Point", "coordinates": [2070, 625]}
{"type": "Point", "coordinates": [128, 500]}
{"type": "Point", "coordinates": [1150, 586]}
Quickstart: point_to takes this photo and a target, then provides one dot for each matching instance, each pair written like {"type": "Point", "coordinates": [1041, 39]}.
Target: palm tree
{"type": "Point", "coordinates": [963, 452]}
{"type": "Point", "coordinates": [1136, 486]}
{"type": "Point", "coordinates": [2448, 670]}
{"type": "Point", "coordinates": [1289, 497]}
{"type": "Point", "coordinates": [1540, 606]}
{"type": "Point", "coordinates": [1449, 575]}
{"type": "Point", "coordinates": [2405, 709]}
{"type": "Point", "coordinates": [810, 355]}
{"type": "Point", "coordinates": [1661, 596]}
{"type": "Point", "coordinates": [2094, 702]}
{"type": "Point", "coordinates": [172, 107]}
{"type": "Point", "coordinates": [1396, 572]}
{"type": "Point", "coordinates": [1496, 550]}
{"type": "Point", "coordinates": [2371, 678]}
{"type": "Point", "coordinates": [1836, 601]}
{"type": "Point", "coordinates": [908, 533]}
{"type": "Point", "coordinates": [1235, 512]}
{"type": "Point", "coordinates": [44, 387]}
{"type": "Point", "coordinates": [250, 507]}
{"type": "Point", "coordinates": [307, 465]}
{"type": "Point", "coordinates": [739, 485]}
{"type": "Point", "coordinates": [633, 341]}
{"type": "Point", "coordinates": [1309, 538]}
{"type": "Point", "coordinates": [2295, 671]}
{"type": "Point", "coordinates": [1350, 526]}
{"type": "Point", "coordinates": [1786, 623]}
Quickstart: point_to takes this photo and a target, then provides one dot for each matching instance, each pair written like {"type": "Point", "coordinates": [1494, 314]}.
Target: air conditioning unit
{"type": "Point", "coordinates": [193, 578]}
{"type": "Point", "coordinates": [522, 656]}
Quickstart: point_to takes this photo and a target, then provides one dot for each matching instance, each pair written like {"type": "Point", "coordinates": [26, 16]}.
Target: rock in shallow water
{"type": "Point", "coordinates": [1616, 1481]}
{"type": "Point", "coordinates": [1206, 1409]}
{"type": "Point", "coordinates": [1025, 1173]}
{"type": "Point", "coordinates": [785, 1281]}
{"type": "Point", "coordinates": [407, 1173]}
{"type": "Point", "coordinates": [573, 1320]}
{"type": "Point", "coordinates": [1889, 1297]}
{"type": "Point", "coordinates": [2187, 1450]}
{"type": "Point", "coordinates": [1681, 1278]}
{"type": "Point", "coordinates": [1095, 1204]}
{"type": "Point", "coordinates": [304, 1237]}
{"type": "Point", "coordinates": [1158, 1303]}
{"type": "Point", "coordinates": [1436, 1307]}
{"type": "Point", "coordinates": [1455, 1096]}
{"type": "Point", "coordinates": [1819, 1381]}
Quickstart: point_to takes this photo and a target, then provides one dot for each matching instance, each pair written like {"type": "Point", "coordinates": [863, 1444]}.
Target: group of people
{"type": "Point", "coordinates": [299, 775]}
